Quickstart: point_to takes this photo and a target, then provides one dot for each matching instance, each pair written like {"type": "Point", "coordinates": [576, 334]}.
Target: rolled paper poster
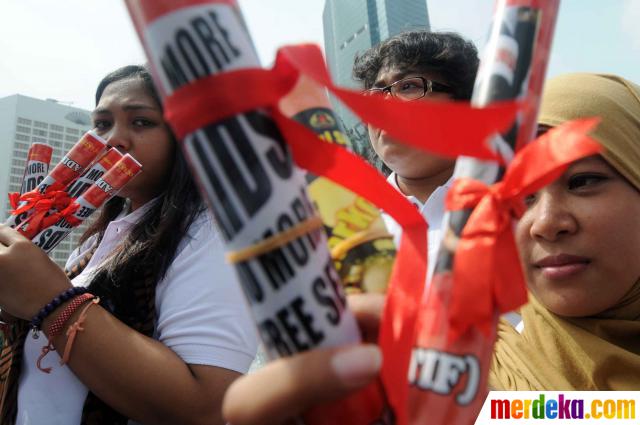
{"type": "Point", "coordinates": [79, 157]}
{"type": "Point", "coordinates": [93, 198]}
{"type": "Point", "coordinates": [93, 173]}
{"type": "Point", "coordinates": [256, 192]}
{"type": "Point", "coordinates": [362, 249]}
{"type": "Point", "coordinates": [450, 364]}
{"type": "Point", "coordinates": [37, 167]}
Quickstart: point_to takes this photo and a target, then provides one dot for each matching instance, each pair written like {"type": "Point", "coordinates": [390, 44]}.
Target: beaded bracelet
{"type": "Point", "coordinates": [45, 311]}
{"type": "Point", "coordinates": [57, 326]}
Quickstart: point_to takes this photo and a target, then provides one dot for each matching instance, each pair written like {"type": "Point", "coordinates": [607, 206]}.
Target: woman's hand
{"type": "Point", "coordinates": [287, 387]}
{"type": "Point", "coordinates": [28, 278]}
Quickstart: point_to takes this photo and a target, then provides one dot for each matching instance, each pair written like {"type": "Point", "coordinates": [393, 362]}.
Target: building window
{"type": "Point", "coordinates": [15, 180]}
{"type": "Point", "coordinates": [23, 129]}
{"type": "Point", "coordinates": [56, 128]}
{"type": "Point", "coordinates": [40, 133]}
{"type": "Point", "coordinates": [22, 137]}
{"type": "Point", "coordinates": [22, 146]}
{"type": "Point", "coordinates": [40, 124]}
{"type": "Point", "coordinates": [38, 139]}
{"type": "Point", "coordinates": [72, 131]}
{"type": "Point", "coordinates": [19, 162]}
{"type": "Point", "coordinates": [56, 144]}
{"type": "Point", "coordinates": [70, 138]}
{"type": "Point", "coordinates": [56, 136]}
{"type": "Point", "coordinates": [24, 121]}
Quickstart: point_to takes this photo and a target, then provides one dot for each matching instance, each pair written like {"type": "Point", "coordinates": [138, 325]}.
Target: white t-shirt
{"type": "Point", "coordinates": [432, 210]}
{"type": "Point", "coordinates": [201, 315]}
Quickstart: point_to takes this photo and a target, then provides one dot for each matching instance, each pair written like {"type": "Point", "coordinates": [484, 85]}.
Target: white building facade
{"type": "Point", "coordinates": [24, 120]}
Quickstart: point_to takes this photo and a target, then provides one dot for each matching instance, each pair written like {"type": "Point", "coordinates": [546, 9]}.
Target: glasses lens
{"type": "Point", "coordinates": [440, 88]}
{"type": "Point", "coordinates": [409, 88]}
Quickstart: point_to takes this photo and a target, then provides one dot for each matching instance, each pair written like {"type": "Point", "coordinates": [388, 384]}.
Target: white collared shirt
{"type": "Point", "coordinates": [433, 212]}
{"type": "Point", "coordinates": [201, 316]}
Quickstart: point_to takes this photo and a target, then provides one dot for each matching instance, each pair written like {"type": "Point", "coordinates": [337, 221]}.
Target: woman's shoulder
{"type": "Point", "coordinates": [202, 231]}
{"type": "Point", "coordinates": [201, 243]}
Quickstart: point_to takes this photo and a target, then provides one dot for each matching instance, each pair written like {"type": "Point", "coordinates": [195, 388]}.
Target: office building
{"type": "Point", "coordinates": [24, 120]}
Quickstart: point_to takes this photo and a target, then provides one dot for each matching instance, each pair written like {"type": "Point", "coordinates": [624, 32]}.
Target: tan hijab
{"type": "Point", "coordinates": [601, 352]}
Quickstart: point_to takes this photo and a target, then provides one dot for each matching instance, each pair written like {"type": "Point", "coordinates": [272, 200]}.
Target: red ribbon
{"type": "Point", "coordinates": [46, 209]}
{"type": "Point", "coordinates": [430, 125]}
{"type": "Point", "coordinates": [487, 273]}
{"type": "Point", "coordinates": [193, 106]}
{"type": "Point", "coordinates": [66, 214]}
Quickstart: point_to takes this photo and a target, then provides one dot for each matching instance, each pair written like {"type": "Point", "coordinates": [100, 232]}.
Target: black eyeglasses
{"type": "Point", "coordinates": [411, 88]}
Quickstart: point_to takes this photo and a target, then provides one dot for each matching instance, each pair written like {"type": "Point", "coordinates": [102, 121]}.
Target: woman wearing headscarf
{"type": "Point", "coordinates": [579, 243]}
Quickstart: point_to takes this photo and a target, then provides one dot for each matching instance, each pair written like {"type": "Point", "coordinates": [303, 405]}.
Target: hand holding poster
{"type": "Point", "coordinates": [254, 189]}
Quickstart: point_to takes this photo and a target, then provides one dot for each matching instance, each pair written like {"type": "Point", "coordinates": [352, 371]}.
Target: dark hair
{"type": "Point", "coordinates": [151, 245]}
{"type": "Point", "coordinates": [446, 54]}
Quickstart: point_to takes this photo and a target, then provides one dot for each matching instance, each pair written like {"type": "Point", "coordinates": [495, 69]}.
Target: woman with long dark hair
{"type": "Point", "coordinates": [171, 330]}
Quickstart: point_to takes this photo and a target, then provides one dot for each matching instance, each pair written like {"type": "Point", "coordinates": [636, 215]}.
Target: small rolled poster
{"type": "Point", "coordinates": [37, 167]}
{"type": "Point", "coordinates": [93, 173]}
{"type": "Point", "coordinates": [72, 165]}
{"type": "Point", "coordinates": [93, 198]}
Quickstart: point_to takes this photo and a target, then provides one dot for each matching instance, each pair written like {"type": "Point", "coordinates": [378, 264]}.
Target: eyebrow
{"type": "Point", "coordinates": [130, 107]}
{"type": "Point", "coordinates": [396, 77]}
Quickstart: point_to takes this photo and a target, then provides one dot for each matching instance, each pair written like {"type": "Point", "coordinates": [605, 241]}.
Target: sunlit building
{"type": "Point", "coordinates": [24, 120]}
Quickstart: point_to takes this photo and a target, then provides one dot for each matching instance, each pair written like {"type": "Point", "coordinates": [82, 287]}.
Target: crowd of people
{"type": "Point", "coordinates": [171, 336]}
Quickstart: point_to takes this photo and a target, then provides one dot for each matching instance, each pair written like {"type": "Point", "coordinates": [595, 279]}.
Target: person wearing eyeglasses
{"type": "Point", "coordinates": [418, 66]}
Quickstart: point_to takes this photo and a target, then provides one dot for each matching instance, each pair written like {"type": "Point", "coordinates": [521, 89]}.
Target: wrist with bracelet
{"type": "Point", "coordinates": [77, 296]}
{"type": "Point", "coordinates": [36, 321]}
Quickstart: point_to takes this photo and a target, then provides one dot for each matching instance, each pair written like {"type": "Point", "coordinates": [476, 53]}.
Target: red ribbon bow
{"type": "Point", "coordinates": [487, 272]}
{"type": "Point", "coordinates": [46, 209]}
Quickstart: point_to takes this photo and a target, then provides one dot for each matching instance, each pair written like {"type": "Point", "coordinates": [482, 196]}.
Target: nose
{"type": "Point", "coordinates": [118, 137]}
{"type": "Point", "coordinates": [551, 218]}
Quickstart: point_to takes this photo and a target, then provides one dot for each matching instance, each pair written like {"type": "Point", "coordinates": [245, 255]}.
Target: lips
{"type": "Point", "coordinates": [562, 266]}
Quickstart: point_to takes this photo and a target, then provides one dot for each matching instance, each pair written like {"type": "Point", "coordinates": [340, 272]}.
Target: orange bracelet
{"type": "Point", "coordinates": [74, 329]}
{"type": "Point", "coordinates": [58, 325]}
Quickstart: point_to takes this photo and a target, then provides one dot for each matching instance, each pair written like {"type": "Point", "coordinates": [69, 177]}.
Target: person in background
{"type": "Point", "coordinates": [418, 66]}
{"type": "Point", "coordinates": [171, 331]}
{"type": "Point", "coordinates": [579, 242]}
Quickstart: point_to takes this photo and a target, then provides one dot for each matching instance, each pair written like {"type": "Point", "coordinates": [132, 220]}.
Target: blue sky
{"type": "Point", "coordinates": [62, 49]}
